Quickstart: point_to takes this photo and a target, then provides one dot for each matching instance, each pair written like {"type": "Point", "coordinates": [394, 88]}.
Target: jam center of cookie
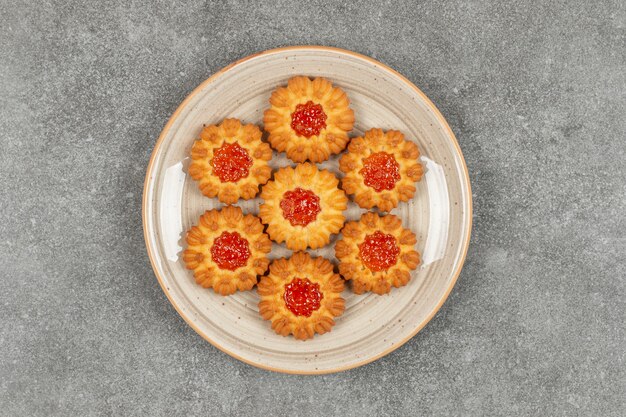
{"type": "Point", "coordinates": [231, 162]}
{"type": "Point", "coordinates": [308, 120]}
{"type": "Point", "coordinates": [380, 171]}
{"type": "Point", "coordinates": [230, 251]}
{"type": "Point", "coordinates": [379, 251]}
{"type": "Point", "coordinates": [300, 207]}
{"type": "Point", "coordinates": [302, 297]}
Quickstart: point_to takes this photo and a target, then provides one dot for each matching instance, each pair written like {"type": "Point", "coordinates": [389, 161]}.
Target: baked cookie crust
{"type": "Point", "coordinates": [384, 273]}
{"type": "Point", "coordinates": [223, 267]}
{"type": "Point", "coordinates": [394, 182]}
{"type": "Point", "coordinates": [322, 303]}
{"type": "Point", "coordinates": [230, 161]}
{"type": "Point", "coordinates": [327, 213]}
{"type": "Point", "coordinates": [328, 118]}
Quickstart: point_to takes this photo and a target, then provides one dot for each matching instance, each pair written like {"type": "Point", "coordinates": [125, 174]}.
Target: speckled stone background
{"type": "Point", "coordinates": [535, 92]}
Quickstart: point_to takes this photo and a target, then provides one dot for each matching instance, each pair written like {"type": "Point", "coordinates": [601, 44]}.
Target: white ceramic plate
{"type": "Point", "coordinates": [372, 325]}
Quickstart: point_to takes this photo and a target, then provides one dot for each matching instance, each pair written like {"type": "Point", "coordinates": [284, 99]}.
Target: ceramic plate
{"type": "Point", "coordinates": [440, 213]}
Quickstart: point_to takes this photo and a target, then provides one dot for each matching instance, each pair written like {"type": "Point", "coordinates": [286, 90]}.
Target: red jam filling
{"type": "Point", "coordinates": [379, 251]}
{"type": "Point", "coordinates": [302, 297]}
{"type": "Point", "coordinates": [380, 171]}
{"type": "Point", "coordinates": [230, 251]}
{"type": "Point", "coordinates": [231, 162]}
{"type": "Point", "coordinates": [300, 207]}
{"type": "Point", "coordinates": [308, 120]}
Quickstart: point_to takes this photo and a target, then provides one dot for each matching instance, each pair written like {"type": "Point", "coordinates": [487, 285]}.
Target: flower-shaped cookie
{"type": "Point", "coordinates": [376, 253]}
{"type": "Point", "coordinates": [381, 169]}
{"type": "Point", "coordinates": [303, 206]}
{"type": "Point", "coordinates": [227, 250]}
{"type": "Point", "coordinates": [309, 119]}
{"type": "Point", "coordinates": [230, 161]}
{"type": "Point", "coordinates": [301, 296]}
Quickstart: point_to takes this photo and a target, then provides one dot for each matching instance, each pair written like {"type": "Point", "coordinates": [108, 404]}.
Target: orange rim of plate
{"type": "Point", "coordinates": [437, 114]}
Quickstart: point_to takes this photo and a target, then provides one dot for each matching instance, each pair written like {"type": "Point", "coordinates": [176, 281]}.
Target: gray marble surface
{"type": "Point", "coordinates": [535, 92]}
